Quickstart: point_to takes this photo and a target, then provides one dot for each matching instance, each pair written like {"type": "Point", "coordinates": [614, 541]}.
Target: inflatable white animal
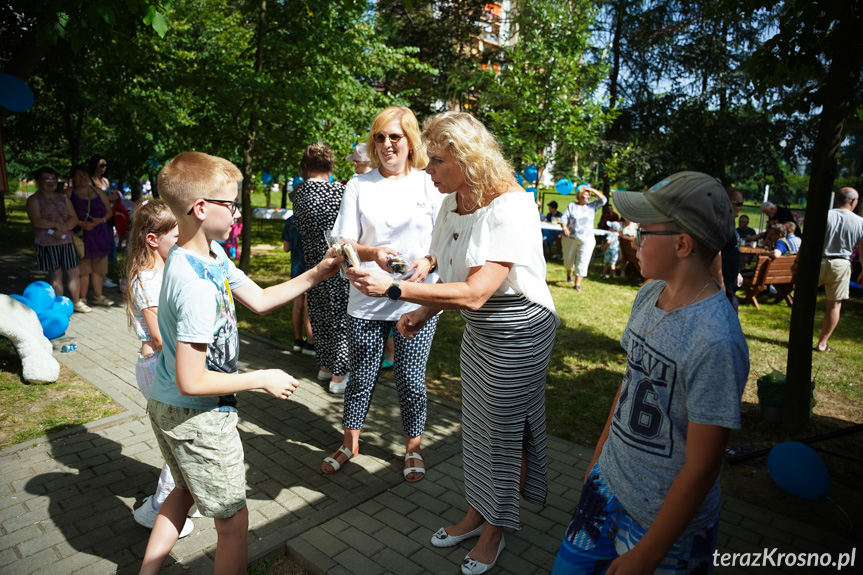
{"type": "Point", "coordinates": [21, 325]}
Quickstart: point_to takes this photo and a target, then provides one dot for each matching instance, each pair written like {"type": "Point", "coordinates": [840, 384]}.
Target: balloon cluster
{"type": "Point", "coordinates": [52, 310]}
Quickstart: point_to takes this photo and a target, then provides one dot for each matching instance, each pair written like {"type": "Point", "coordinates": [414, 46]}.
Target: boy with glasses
{"type": "Point", "coordinates": [193, 403]}
{"type": "Point", "coordinates": [651, 497]}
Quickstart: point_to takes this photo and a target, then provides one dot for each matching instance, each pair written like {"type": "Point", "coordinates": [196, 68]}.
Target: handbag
{"type": "Point", "coordinates": [79, 245]}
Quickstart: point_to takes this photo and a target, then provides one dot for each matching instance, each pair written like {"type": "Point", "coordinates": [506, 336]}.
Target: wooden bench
{"type": "Point", "coordinates": [770, 272]}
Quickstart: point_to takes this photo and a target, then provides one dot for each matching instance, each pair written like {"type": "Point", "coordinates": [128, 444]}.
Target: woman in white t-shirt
{"type": "Point", "coordinates": [388, 212]}
{"type": "Point", "coordinates": [488, 244]}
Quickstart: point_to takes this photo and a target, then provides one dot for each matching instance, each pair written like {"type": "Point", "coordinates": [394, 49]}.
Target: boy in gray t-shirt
{"type": "Point", "coordinates": [651, 496]}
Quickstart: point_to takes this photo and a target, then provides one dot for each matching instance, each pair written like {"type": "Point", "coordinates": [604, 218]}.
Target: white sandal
{"type": "Point", "coordinates": [408, 470]}
{"type": "Point", "coordinates": [336, 465]}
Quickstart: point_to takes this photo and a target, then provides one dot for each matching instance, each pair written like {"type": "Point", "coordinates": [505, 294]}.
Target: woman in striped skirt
{"type": "Point", "coordinates": [53, 219]}
{"type": "Point", "coordinates": [488, 245]}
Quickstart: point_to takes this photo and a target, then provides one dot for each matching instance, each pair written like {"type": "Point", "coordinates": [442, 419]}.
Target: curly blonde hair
{"type": "Point", "coordinates": [475, 149]}
{"type": "Point", "coordinates": [417, 158]}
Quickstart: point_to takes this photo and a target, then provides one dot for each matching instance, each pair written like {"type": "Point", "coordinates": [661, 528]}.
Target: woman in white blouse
{"type": "Point", "coordinates": [578, 241]}
{"type": "Point", "coordinates": [488, 246]}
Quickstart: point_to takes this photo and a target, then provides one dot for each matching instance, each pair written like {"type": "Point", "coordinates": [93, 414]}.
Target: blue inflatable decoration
{"type": "Point", "coordinates": [54, 323]}
{"type": "Point", "coordinates": [64, 305]}
{"type": "Point", "coordinates": [15, 94]}
{"type": "Point", "coordinates": [519, 179]}
{"type": "Point", "coordinates": [20, 298]}
{"type": "Point", "coordinates": [531, 173]}
{"type": "Point", "coordinates": [531, 190]}
{"type": "Point", "coordinates": [40, 296]}
{"type": "Point", "coordinates": [266, 178]}
{"type": "Point", "coordinates": [799, 470]}
{"type": "Point", "coordinates": [563, 186]}
{"type": "Point", "coordinates": [296, 181]}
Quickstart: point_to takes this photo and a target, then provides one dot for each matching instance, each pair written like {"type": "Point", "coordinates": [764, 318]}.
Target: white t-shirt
{"type": "Point", "coordinates": [400, 214]}
{"type": "Point", "coordinates": [503, 231]}
{"type": "Point", "coordinates": [844, 230]}
{"type": "Point", "coordinates": [579, 219]}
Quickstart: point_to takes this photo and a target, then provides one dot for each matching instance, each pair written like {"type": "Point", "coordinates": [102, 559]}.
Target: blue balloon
{"type": "Point", "coordinates": [799, 470]}
{"type": "Point", "coordinates": [519, 178]}
{"type": "Point", "coordinates": [531, 190]}
{"type": "Point", "coordinates": [40, 296]}
{"type": "Point", "coordinates": [296, 181]}
{"type": "Point", "coordinates": [266, 177]}
{"type": "Point", "coordinates": [531, 173]}
{"type": "Point", "coordinates": [54, 323]}
{"type": "Point", "coordinates": [64, 304]}
{"type": "Point", "coordinates": [20, 298]}
{"type": "Point", "coordinates": [563, 186]}
{"type": "Point", "coordinates": [15, 94]}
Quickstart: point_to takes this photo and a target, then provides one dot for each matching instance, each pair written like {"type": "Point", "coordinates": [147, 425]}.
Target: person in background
{"type": "Point", "coordinates": [53, 218]}
{"type": "Point", "coordinates": [844, 234]}
{"type": "Point", "coordinates": [726, 267]}
{"type": "Point", "coordinates": [743, 229]}
{"type": "Point", "coordinates": [776, 236]}
{"type": "Point", "coordinates": [608, 215]}
{"type": "Point", "coordinates": [792, 238]}
{"type": "Point", "coordinates": [121, 219]}
{"type": "Point", "coordinates": [93, 210]}
{"type": "Point", "coordinates": [578, 239]}
{"type": "Point", "coordinates": [775, 215]}
{"type": "Point", "coordinates": [553, 215]}
{"type": "Point", "coordinates": [611, 250]}
{"type": "Point", "coordinates": [293, 244]}
{"type": "Point", "coordinates": [97, 166]}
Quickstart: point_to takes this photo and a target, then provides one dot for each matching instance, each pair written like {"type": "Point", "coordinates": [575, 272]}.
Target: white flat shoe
{"type": "Point", "coordinates": [324, 375]}
{"type": "Point", "coordinates": [473, 567]}
{"type": "Point", "coordinates": [444, 539]}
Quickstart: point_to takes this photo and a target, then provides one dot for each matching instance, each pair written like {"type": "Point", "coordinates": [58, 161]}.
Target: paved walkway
{"type": "Point", "coordinates": [66, 500]}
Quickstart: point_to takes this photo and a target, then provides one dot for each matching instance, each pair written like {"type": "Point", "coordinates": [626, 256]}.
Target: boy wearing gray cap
{"type": "Point", "coordinates": [651, 496]}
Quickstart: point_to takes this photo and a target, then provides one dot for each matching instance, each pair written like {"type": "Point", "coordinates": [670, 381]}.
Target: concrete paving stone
{"type": "Point", "coordinates": [367, 543]}
{"type": "Point", "coordinates": [430, 487]}
{"type": "Point", "coordinates": [338, 570]}
{"type": "Point", "coordinates": [309, 557]}
{"type": "Point", "coordinates": [736, 545]}
{"type": "Point", "coordinates": [747, 510]}
{"type": "Point", "coordinates": [100, 567]}
{"type": "Point", "coordinates": [437, 505]}
{"type": "Point", "coordinates": [766, 530]}
{"type": "Point", "coordinates": [325, 542]}
{"type": "Point", "coordinates": [272, 510]}
{"type": "Point", "coordinates": [515, 544]}
{"type": "Point", "coordinates": [271, 489]}
{"type": "Point", "coordinates": [397, 562]}
{"type": "Point", "coordinates": [335, 526]}
{"type": "Point", "coordinates": [308, 495]}
{"type": "Point", "coordinates": [335, 492]}
{"type": "Point", "coordinates": [514, 563]}
{"type": "Point", "coordinates": [44, 541]}
{"type": "Point", "coordinates": [396, 541]}
{"type": "Point", "coordinates": [370, 507]}
{"type": "Point", "coordinates": [538, 522]}
{"type": "Point", "coordinates": [539, 556]}
{"type": "Point", "coordinates": [8, 556]}
{"type": "Point", "coordinates": [722, 539]}
{"type": "Point", "coordinates": [124, 559]}
{"type": "Point", "coordinates": [17, 509]}
{"type": "Point", "coordinates": [357, 563]}
{"type": "Point", "coordinates": [391, 500]}
{"type": "Point", "coordinates": [739, 532]}
{"type": "Point", "coordinates": [539, 539]}
{"type": "Point", "coordinates": [42, 559]}
{"type": "Point", "coordinates": [452, 516]}
{"type": "Point", "coordinates": [21, 522]}
{"type": "Point", "coordinates": [258, 520]}
{"type": "Point", "coordinates": [556, 515]}
{"type": "Point", "coordinates": [427, 519]}
{"type": "Point", "coordinates": [395, 520]}
{"type": "Point", "coordinates": [24, 489]}
{"type": "Point", "coordinates": [87, 537]}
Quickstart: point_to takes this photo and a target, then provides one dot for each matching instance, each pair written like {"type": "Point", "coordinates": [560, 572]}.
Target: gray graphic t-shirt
{"type": "Point", "coordinates": [691, 368]}
{"type": "Point", "coordinates": [196, 306]}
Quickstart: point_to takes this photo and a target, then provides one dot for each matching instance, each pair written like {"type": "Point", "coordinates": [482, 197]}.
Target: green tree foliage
{"type": "Point", "coordinates": [543, 96]}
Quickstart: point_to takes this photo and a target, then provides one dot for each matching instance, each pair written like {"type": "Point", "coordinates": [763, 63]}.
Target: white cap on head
{"type": "Point", "coordinates": [359, 155]}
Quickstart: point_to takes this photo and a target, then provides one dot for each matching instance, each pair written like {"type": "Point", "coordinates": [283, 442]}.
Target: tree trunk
{"type": "Point", "coordinates": [249, 145]}
{"type": "Point", "coordinates": [838, 94]}
{"type": "Point", "coordinates": [613, 83]}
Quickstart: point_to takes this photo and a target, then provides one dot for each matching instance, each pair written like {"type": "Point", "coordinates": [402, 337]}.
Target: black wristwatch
{"type": "Point", "coordinates": [394, 292]}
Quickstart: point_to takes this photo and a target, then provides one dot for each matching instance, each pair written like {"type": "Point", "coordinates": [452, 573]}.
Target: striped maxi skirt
{"type": "Point", "coordinates": [504, 357]}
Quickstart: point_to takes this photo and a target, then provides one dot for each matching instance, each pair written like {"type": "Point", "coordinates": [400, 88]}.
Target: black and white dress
{"type": "Point", "coordinates": [504, 354]}
{"type": "Point", "coordinates": [316, 206]}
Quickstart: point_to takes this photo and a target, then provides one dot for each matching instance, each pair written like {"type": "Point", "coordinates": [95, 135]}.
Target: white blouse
{"type": "Point", "coordinates": [504, 231]}
{"type": "Point", "coordinates": [400, 214]}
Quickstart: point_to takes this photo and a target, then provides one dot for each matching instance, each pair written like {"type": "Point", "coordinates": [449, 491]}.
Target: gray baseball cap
{"type": "Point", "coordinates": [359, 154]}
{"type": "Point", "coordinates": [694, 201]}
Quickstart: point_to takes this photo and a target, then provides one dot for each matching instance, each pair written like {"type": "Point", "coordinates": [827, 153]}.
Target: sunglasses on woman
{"type": "Point", "coordinates": [394, 138]}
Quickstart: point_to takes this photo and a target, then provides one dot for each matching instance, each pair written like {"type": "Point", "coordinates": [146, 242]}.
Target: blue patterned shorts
{"type": "Point", "coordinates": [601, 530]}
